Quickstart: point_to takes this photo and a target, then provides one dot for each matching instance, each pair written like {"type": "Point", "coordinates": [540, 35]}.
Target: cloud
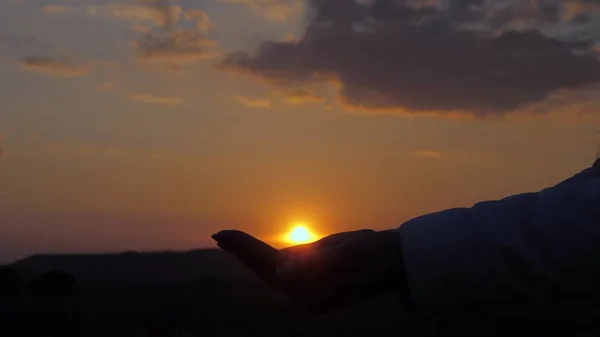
{"type": "Point", "coordinates": [106, 86]}
{"type": "Point", "coordinates": [60, 68]}
{"type": "Point", "coordinates": [158, 12]}
{"type": "Point", "coordinates": [142, 28]}
{"type": "Point", "coordinates": [251, 102]}
{"type": "Point", "coordinates": [73, 150]}
{"type": "Point", "coordinates": [57, 9]}
{"type": "Point", "coordinates": [481, 57]}
{"type": "Point", "coordinates": [201, 20]}
{"type": "Point", "coordinates": [302, 96]}
{"type": "Point", "coordinates": [152, 99]}
{"type": "Point", "coordinates": [104, 64]}
{"type": "Point", "coordinates": [172, 41]}
{"type": "Point", "coordinates": [177, 45]}
{"type": "Point", "coordinates": [428, 154]}
{"type": "Point", "coordinates": [276, 10]}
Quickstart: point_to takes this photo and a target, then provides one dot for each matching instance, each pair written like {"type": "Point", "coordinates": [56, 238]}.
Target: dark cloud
{"type": "Point", "coordinates": [476, 56]}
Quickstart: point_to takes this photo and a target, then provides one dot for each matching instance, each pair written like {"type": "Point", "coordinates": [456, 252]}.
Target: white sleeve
{"type": "Point", "coordinates": [527, 246]}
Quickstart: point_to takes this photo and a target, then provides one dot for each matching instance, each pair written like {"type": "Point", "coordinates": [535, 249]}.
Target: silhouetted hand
{"type": "Point", "coordinates": [337, 270]}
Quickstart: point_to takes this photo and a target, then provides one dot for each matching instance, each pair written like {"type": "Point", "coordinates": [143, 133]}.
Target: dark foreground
{"type": "Point", "coordinates": [208, 293]}
{"type": "Point", "coordinates": [188, 310]}
{"type": "Point", "coordinates": [197, 293]}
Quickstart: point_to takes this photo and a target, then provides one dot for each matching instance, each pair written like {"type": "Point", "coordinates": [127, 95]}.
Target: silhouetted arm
{"type": "Point", "coordinates": [542, 246]}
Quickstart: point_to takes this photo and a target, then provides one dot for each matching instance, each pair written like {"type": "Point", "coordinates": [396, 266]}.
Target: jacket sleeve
{"type": "Point", "coordinates": [529, 246]}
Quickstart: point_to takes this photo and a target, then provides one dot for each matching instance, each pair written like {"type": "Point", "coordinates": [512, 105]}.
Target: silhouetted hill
{"type": "Point", "coordinates": [141, 267]}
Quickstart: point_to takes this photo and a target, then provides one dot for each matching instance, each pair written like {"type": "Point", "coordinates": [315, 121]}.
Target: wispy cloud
{"type": "Point", "coordinates": [57, 9]}
{"type": "Point", "coordinates": [168, 34]}
{"type": "Point", "coordinates": [428, 154]}
{"type": "Point", "coordinates": [252, 102]}
{"type": "Point", "coordinates": [74, 150]}
{"type": "Point", "coordinates": [176, 46]}
{"type": "Point", "coordinates": [276, 10]}
{"type": "Point", "coordinates": [302, 96]}
{"type": "Point", "coordinates": [59, 68]}
{"type": "Point", "coordinates": [152, 99]}
{"type": "Point", "coordinates": [200, 19]}
{"type": "Point", "coordinates": [106, 86]}
{"type": "Point", "coordinates": [161, 16]}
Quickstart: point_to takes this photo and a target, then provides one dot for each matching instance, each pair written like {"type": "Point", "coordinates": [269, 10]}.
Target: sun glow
{"type": "Point", "coordinates": [299, 234]}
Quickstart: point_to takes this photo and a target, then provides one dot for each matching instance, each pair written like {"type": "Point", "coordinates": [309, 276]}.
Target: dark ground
{"type": "Point", "coordinates": [198, 293]}
{"type": "Point", "coordinates": [209, 293]}
{"type": "Point", "coordinates": [188, 310]}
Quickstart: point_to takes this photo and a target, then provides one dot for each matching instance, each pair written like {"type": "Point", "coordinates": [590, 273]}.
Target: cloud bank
{"type": "Point", "coordinates": [482, 57]}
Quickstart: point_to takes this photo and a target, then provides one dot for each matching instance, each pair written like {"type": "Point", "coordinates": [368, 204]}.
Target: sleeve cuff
{"type": "Point", "coordinates": [440, 261]}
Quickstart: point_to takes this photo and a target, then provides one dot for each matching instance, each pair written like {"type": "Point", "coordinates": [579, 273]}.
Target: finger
{"type": "Point", "coordinates": [252, 252]}
{"type": "Point", "coordinates": [240, 243]}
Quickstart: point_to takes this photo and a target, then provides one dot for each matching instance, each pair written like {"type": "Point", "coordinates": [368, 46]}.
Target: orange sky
{"type": "Point", "coordinates": [152, 124]}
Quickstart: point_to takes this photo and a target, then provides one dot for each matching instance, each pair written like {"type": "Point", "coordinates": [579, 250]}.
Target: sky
{"type": "Point", "coordinates": [151, 124]}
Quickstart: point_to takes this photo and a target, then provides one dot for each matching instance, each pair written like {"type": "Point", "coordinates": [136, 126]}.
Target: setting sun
{"type": "Point", "coordinates": [300, 234]}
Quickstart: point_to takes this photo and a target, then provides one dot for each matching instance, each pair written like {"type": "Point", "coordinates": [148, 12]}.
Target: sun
{"type": "Point", "coordinates": [300, 234]}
